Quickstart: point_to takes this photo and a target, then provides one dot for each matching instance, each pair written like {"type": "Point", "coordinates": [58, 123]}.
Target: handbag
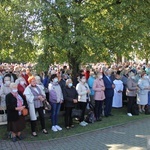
{"type": "Point", "coordinates": [76, 113]}
{"type": "Point", "coordinates": [147, 109]}
{"type": "Point", "coordinates": [25, 112]}
{"type": "Point", "coordinates": [135, 109]}
{"type": "Point", "coordinates": [46, 105]}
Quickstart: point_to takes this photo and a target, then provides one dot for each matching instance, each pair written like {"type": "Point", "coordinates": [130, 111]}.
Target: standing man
{"type": "Point", "coordinates": [109, 92]}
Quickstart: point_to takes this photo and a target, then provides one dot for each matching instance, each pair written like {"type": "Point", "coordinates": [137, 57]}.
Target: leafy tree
{"type": "Point", "coordinates": [74, 31]}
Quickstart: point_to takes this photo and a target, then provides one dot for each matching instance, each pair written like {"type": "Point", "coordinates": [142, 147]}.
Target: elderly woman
{"type": "Point", "coordinates": [142, 96]}
{"type": "Point", "coordinates": [15, 103]}
{"type": "Point", "coordinates": [35, 97]}
{"type": "Point", "coordinates": [131, 91]}
{"type": "Point", "coordinates": [5, 89]}
{"type": "Point", "coordinates": [99, 95]}
{"type": "Point", "coordinates": [83, 97]}
{"type": "Point", "coordinates": [55, 98]}
{"type": "Point", "coordinates": [39, 82]}
{"type": "Point", "coordinates": [70, 98]}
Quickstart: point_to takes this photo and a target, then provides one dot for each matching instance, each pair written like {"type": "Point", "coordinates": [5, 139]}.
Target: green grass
{"type": "Point", "coordinates": [119, 117]}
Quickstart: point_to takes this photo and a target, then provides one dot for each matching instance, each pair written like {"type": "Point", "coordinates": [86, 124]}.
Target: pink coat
{"type": "Point", "coordinates": [97, 87]}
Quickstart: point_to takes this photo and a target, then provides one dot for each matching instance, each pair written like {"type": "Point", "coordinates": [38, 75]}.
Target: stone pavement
{"type": "Point", "coordinates": [131, 136]}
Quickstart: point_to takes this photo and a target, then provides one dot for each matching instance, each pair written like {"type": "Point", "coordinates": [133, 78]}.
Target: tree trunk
{"type": "Point", "coordinates": [119, 58]}
{"type": "Point", "coordinates": [74, 65]}
{"type": "Point", "coordinates": [146, 60]}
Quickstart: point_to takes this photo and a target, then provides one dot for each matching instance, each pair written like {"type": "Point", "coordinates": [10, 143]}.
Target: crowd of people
{"type": "Point", "coordinates": [99, 85]}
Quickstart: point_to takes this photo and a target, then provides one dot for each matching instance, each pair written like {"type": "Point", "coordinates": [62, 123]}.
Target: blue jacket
{"type": "Point", "coordinates": [109, 91]}
{"type": "Point", "coordinates": [90, 84]}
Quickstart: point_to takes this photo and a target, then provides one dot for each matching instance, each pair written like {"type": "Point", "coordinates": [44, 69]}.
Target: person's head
{"type": "Point", "coordinates": [69, 83]}
{"type": "Point", "coordinates": [23, 71]}
{"type": "Point", "coordinates": [7, 80]}
{"type": "Point", "coordinates": [64, 68]}
{"type": "Point", "coordinates": [32, 81]}
{"type": "Point", "coordinates": [28, 71]}
{"type": "Point", "coordinates": [131, 74]}
{"type": "Point", "coordinates": [81, 72]}
{"type": "Point", "coordinates": [13, 87]}
{"type": "Point", "coordinates": [148, 65]}
{"type": "Point", "coordinates": [139, 73]}
{"type": "Point", "coordinates": [64, 76]}
{"type": "Point", "coordinates": [53, 72]}
{"type": "Point", "coordinates": [108, 72]}
{"type": "Point", "coordinates": [10, 70]}
{"type": "Point", "coordinates": [21, 80]}
{"type": "Point", "coordinates": [38, 79]}
{"type": "Point", "coordinates": [117, 75]}
{"type": "Point", "coordinates": [82, 78]}
{"type": "Point", "coordinates": [92, 74]}
{"type": "Point", "coordinates": [144, 75]}
{"type": "Point", "coordinates": [54, 78]}
{"type": "Point", "coordinates": [99, 75]}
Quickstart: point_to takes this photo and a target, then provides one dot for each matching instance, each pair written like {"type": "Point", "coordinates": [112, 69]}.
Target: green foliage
{"type": "Point", "coordinates": [73, 31]}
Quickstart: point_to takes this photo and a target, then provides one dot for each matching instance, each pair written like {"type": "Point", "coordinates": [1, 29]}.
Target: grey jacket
{"type": "Point", "coordinates": [131, 88]}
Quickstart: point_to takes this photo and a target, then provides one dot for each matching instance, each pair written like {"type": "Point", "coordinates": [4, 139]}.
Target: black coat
{"type": "Point", "coordinates": [69, 94]}
{"type": "Point", "coordinates": [62, 84]}
{"type": "Point", "coordinates": [11, 104]}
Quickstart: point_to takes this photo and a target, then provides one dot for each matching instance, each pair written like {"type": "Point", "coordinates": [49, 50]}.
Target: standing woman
{"type": "Point", "coordinates": [142, 96]}
{"type": "Point", "coordinates": [55, 98]}
{"type": "Point", "coordinates": [131, 91]}
{"type": "Point", "coordinates": [99, 95]}
{"type": "Point", "coordinates": [15, 103]}
{"type": "Point", "coordinates": [70, 98]}
{"type": "Point", "coordinates": [5, 89]}
{"type": "Point", "coordinates": [83, 97]}
{"type": "Point", "coordinates": [35, 97]}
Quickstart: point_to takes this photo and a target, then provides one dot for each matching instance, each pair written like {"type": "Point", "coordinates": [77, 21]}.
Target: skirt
{"type": "Point", "coordinates": [16, 126]}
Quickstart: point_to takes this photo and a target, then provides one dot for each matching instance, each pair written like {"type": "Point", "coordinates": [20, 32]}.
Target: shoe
{"type": "Point", "coordinates": [14, 139]}
{"type": "Point", "coordinates": [67, 127]}
{"type": "Point", "coordinates": [143, 110]}
{"type": "Point", "coordinates": [58, 128]}
{"type": "Point", "coordinates": [82, 124]}
{"type": "Point", "coordinates": [76, 119]}
{"type": "Point", "coordinates": [34, 134]}
{"type": "Point", "coordinates": [54, 129]}
{"type": "Point", "coordinates": [110, 115]}
{"type": "Point", "coordinates": [129, 114]}
{"type": "Point", "coordinates": [140, 111]}
{"type": "Point", "coordinates": [72, 126]}
{"type": "Point", "coordinates": [99, 119]}
{"type": "Point", "coordinates": [85, 123]}
{"type": "Point", "coordinates": [19, 137]}
{"type": "Point", "coordinates": [44, 131]}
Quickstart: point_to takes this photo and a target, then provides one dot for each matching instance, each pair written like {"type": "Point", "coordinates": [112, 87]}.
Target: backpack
{"type": "Point", "coordinates": [135, 109]}
{"type": "Point", "coordinates": [147, 110]}
{"type": "Point", "coordinates": [90, 117]}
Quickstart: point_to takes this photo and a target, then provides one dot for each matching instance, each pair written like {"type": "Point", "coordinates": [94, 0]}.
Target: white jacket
{"type": "Point", "coordinates": [29, 98]}
{"type": "Point", "coordinates": [82, 92]}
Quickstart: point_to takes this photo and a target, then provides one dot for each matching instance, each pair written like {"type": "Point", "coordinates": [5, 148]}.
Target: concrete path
{"type": "Point", "coordinates": [131, 136]}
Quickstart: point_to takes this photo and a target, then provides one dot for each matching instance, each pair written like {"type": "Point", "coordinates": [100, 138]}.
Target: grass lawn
{"type": "Point", "coordinates": [119, 117]}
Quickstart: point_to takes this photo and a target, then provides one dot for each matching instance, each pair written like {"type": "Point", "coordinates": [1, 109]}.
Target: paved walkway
{"type": "Point", "coordinates": [131, 136]}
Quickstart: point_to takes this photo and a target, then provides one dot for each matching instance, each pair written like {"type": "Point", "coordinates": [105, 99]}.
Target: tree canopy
{"type": "Point", "coordinates": [73, 31]}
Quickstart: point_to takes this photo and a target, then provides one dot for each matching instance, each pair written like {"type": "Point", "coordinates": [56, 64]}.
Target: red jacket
{"type": "Point", "coordinates": [26, 78]}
